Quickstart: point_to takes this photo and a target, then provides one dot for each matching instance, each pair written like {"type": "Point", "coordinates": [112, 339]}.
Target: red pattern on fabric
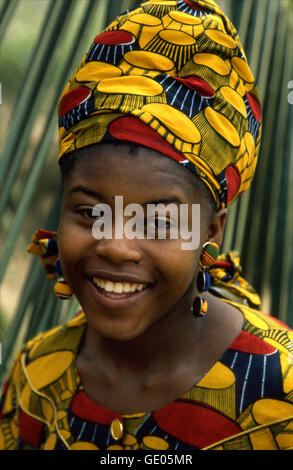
{"type": "Point", "coordinates": [246, 342]}
{"type": "Point", "coordinates": [133, 130]}
{"type": "Point", "coordinates": [223, 264]}
{"type": "Point", "coordinates": [195, 7]}
{"type": "Point", "coordinates": [112, 38]}
{"type": "Point", "coordinates": [254, 106]}
{"type": "Point", "coordinates": [233, 182]}
{"type": "Point", "coordinates": [198, 84]}
{"type": "Point", "coordinates": [30, 429]}
{"type": "Point", "coordinates": [5, 388]}
{"type": "Point", "coordinates": [87, 409]}
{"type": "Point", "coordinates": [73, 98]}
{"type": "Point", "coordinates": [45, 234]}
{"type": "Point", "coordinates": [194, 423]}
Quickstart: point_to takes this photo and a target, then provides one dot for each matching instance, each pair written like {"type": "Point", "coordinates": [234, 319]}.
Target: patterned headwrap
{"type": "Point", "coordinates": [171, 76]}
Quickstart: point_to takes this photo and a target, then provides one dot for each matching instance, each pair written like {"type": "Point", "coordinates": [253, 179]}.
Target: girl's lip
{"type": "Point", "coordinates": [122, 302]}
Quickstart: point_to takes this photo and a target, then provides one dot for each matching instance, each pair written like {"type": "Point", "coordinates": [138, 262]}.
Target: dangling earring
{"type": "Point", "coordinates": [209, 254]}
{"type": "Point", "coordinates": [61, 288]}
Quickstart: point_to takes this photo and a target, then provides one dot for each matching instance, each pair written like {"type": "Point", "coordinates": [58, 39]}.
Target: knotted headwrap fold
{"type": "Point", "coordinates": [172, 76]}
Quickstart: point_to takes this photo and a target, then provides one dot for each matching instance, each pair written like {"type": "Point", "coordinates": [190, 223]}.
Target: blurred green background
{"type": "Point", "coordinates": [41, 42]}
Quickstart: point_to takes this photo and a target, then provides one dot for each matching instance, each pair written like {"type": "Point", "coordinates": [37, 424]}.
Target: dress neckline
{"type": "Point", "coordinates": [209, 378]}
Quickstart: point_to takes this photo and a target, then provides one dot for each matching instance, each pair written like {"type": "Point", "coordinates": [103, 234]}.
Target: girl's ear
{"type": "Point", "coordinates": [216, 227]}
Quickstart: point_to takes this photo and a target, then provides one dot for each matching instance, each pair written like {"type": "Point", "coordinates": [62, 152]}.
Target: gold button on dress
{"type": "Point", "coordinates": [116, 429]}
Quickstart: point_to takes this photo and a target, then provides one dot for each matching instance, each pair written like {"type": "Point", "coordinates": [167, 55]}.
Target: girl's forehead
{"type": "Point", "coordinates": [120, 154]}
{"type": "Point", "coordinates": [147, 171]}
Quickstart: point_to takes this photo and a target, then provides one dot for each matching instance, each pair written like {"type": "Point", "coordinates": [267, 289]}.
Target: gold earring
{"type": "Point", "coordinates": [209, 255]}
{"type": "Point", "coordinates": [61, 288]}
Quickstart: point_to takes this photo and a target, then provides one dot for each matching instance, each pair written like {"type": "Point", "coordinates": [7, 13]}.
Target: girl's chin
{"type": "Point", "coordinates": [117, 330]}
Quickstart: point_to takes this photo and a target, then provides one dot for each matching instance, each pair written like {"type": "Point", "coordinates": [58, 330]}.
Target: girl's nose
{"type": "Point", "coordinates": [118, 250]}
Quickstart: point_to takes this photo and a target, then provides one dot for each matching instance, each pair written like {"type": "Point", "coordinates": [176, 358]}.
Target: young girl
{"type": "Point", "coordinates": [166, 354]}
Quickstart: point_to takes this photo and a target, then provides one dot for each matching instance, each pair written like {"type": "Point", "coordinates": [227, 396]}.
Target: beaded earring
{"type": "Point", "coordinates": [209, 254]}
{"type": "Point", "coordinates": [61, 288]}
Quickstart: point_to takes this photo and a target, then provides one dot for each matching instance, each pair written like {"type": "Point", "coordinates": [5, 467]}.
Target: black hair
{"type": "Point", "coordinates": [67, 164]}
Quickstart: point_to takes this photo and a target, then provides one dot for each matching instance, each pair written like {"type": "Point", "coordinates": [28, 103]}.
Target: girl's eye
{"type": "Point", "coordinates": [88, 214]}
{"type": "Point", "coordinates": [157, 223]}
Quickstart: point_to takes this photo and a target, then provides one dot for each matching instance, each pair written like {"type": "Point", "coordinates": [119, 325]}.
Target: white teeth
{"type": "Point", "coordinates": [139, 286]}
{"type": "Point", "coordinates": [117, 287]}
{"type": "Point", "coordinates": [108, 286]}
{"type": "Point", "coordinates": [102, 283]}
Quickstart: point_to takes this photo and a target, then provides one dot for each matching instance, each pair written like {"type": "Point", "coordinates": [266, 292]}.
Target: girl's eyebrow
{"type": "Point", "coordinates": [96, 194]}
{"type": "Point", "coordinates": [170, 200]}
{"type": "Point", "coordinates": [89, 192]}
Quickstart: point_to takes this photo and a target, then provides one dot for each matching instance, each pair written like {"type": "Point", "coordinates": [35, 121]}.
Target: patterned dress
{"type": "Point", "coordinates": [244, 402]}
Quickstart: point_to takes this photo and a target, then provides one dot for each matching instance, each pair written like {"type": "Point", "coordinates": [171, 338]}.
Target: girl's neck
{"type": "Point", "coordinates": [176, 342]}
{"type": "Point", "coordinates": [161, 365]}
{"type": "Point", "coordinates": [157, 351]}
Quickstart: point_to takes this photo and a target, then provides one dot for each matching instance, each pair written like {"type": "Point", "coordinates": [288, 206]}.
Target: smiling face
{"type": "Point", "coordinates": [126, 285]}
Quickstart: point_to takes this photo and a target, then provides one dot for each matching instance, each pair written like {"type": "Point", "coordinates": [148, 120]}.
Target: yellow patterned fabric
{"type": "Point", "coordinates": [225, 274]}
{"type": "Point", "coordinates": [244, 402]}
{"type": "Point", "coordinates": [172, 76]}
